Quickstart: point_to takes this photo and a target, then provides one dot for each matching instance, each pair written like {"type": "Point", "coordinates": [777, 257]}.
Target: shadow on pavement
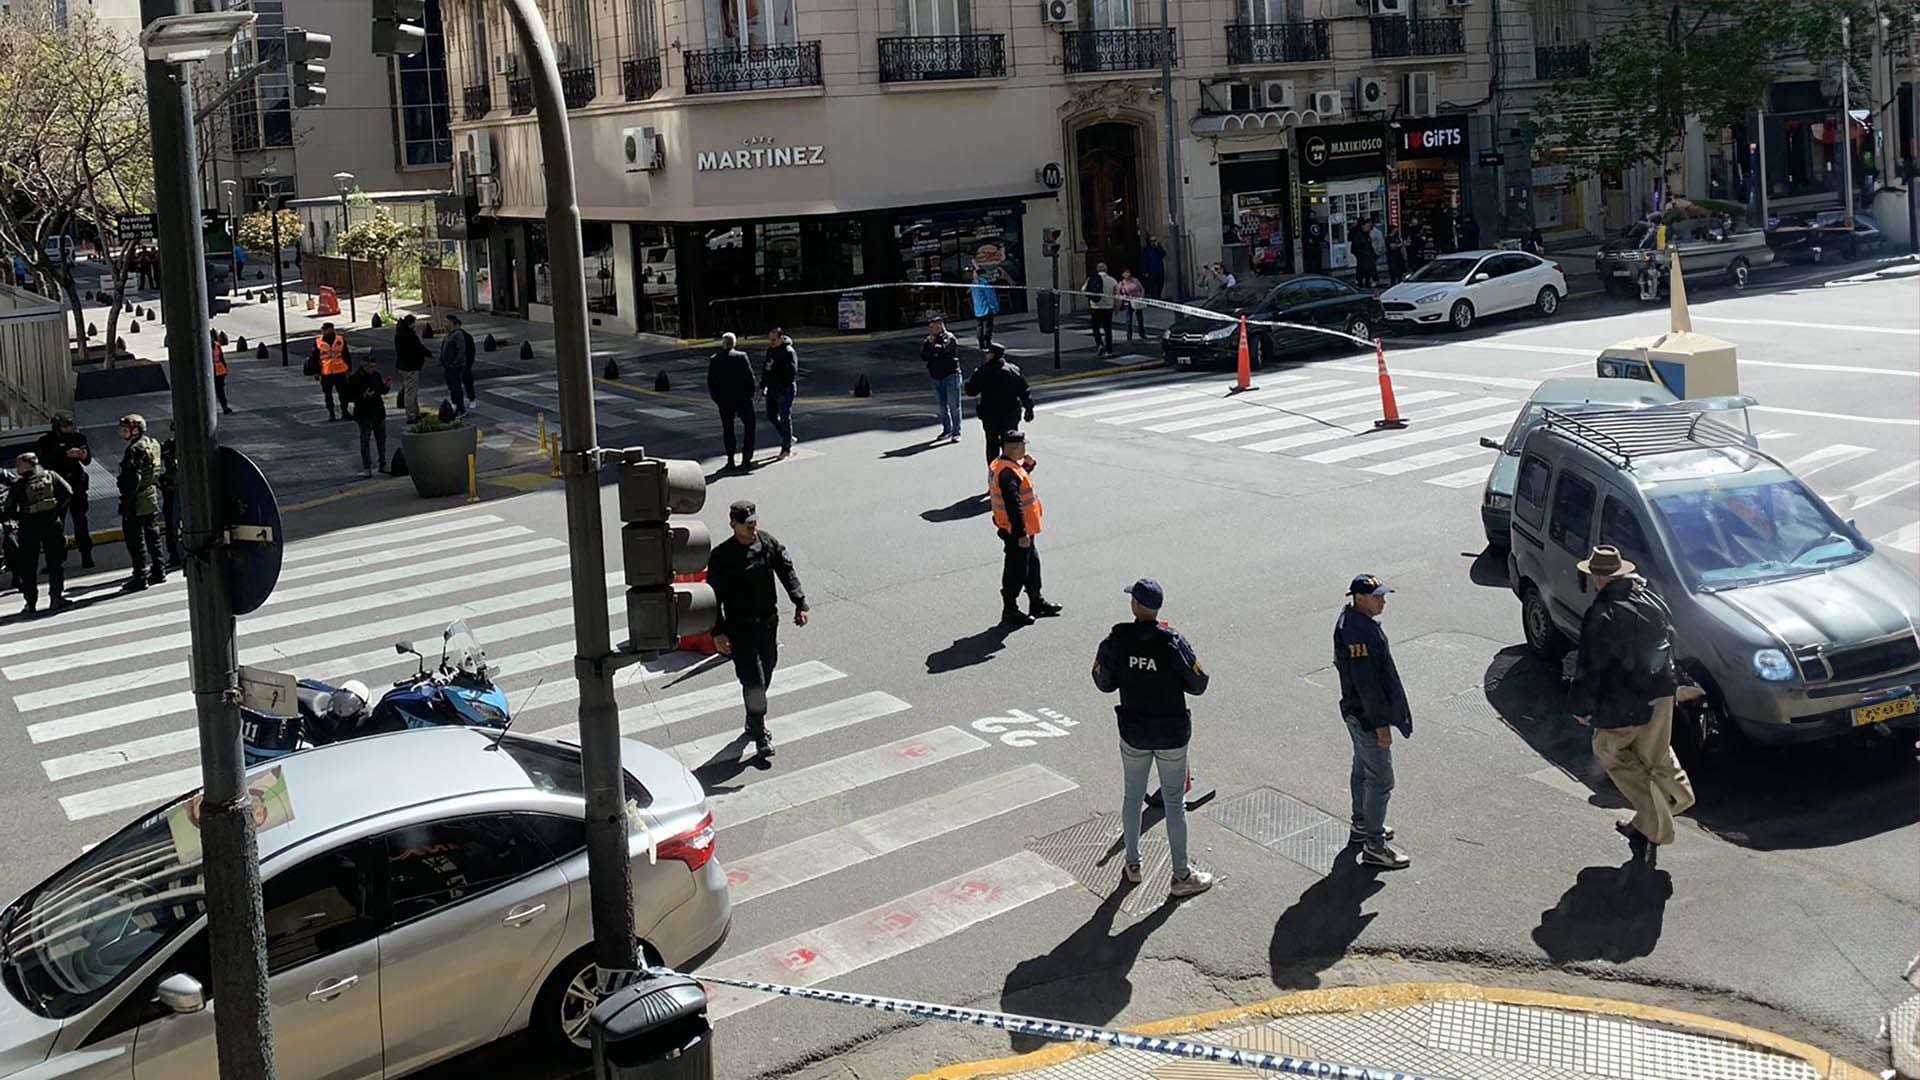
{"type": "Point", "coordinates": [1489, 568]}
{"type": "Point", "coordinates": [967, 506]}
{"type": "Point", "coordinates": [1084, 978]}
{"type": "Point", "coordinates": [1316, 932]}
{"type": "Point", "coordinates": [517, 1056]}
{"type": "Point", "coordinates": [1612, 913]}
{"type": "Point", "coordinates": [970, 650]}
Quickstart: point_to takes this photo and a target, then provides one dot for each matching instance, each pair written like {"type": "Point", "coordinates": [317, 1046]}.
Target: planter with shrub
{"type": "Point", "coordinates": [437, 453]}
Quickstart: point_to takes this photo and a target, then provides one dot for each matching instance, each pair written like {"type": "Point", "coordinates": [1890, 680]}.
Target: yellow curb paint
{"type": "Point", "coordinates": [521, 481]}
{"type": "Point", "coordinates": [1360, 999]}
{"type": "Point", "coordinates": [1102, 373]}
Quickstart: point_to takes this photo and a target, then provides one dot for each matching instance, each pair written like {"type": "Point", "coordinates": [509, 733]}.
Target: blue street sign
{"type": "Point", "coordinates": [252, 565]}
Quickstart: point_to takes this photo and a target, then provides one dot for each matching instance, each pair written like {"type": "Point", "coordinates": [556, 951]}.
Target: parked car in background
{"type": "Point", "coordinates": [1457, 289]}
{"type": "Point", "coordinates": [1812, 237]}
{"type": "Point", "coordinates": [425, 893]}
{"type": "Point", "coordinates": [1310, 300]}
{"type": "Point", "coordinates": [1709, 249]}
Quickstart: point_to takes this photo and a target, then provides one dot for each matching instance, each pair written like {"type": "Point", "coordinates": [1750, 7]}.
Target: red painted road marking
{"type": "Point", "coordinates": [915, 750]}
{"type": "Point", "coordinates": [799, 959]}
{"type": "Point", "coordinates": [737, 877]}
{"type": "Point", "coordinates": [895, 921]}
{"type": "Point", "coordinates": [972, 891]}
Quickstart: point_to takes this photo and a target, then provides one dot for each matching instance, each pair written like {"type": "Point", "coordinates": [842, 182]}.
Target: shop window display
{"type": "Point", "coordinates": [653, 255]}
{"type": "Point", "coordinates": [597, 243]}
{"type": "Point", "coordinates": [946, 247]}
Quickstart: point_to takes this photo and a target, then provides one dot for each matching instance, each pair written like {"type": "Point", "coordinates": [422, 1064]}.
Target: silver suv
{"type": "Point", "coordinates": [1793, 625]}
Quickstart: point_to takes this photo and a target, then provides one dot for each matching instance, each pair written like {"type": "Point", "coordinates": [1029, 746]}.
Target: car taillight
{"type": "Point", "coordinates": [1557, 269]}
{"type": "Point", "coordinates": [693, 847]}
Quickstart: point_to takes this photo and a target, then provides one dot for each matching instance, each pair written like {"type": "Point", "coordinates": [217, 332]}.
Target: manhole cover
{"type": "Point", "coordinates": [1091, 851]}
{"type": "Point", "coordinates": [1285, 826]}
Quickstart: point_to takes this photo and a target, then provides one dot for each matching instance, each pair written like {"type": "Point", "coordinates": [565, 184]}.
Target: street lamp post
{"type": "Point", "coordinates": [273, 215]}
{"type": "Point", "coordinates": [1174, 230]}
{"type": "Point", "coordinates": [233, 237]}
{"type": "Point", "coordinates": [1846, 122]}
{"type": "Point", "coordinates": [344, 182]}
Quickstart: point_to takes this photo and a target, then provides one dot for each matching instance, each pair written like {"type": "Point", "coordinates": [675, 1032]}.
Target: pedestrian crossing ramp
{"type": "Point", "coordinates": [902, 828]}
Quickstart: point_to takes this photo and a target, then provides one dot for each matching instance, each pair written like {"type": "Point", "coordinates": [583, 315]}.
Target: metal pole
{"type": "Point", "coordinates": [1846, 121]}
{"type": "Point", "coordinates": [1056, 308]}
{"type": "Point", "coordinates": [233, 245]}
{"type": "Point", "coordinates": [607, 859]}
{"type": "Point", "coordinates": [279, 296]}
{"type": "Point", "coordinates": [1174, 231]}
{"type": "Point", "coordinates": [243, 1032]}
{"type": "Point", "coordinates": [346, 222]}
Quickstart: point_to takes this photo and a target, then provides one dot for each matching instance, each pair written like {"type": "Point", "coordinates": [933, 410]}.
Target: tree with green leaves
{"type": "Point", "coordinates": [1662, 62]}
{"type": "Point", "coordinates": [256, 229]}
{"type": "Point", "coordinates": [378, 239]}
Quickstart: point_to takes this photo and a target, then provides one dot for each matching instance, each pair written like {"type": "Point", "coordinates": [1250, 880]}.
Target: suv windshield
{"type": "Point", "coordinates": [1445, 270]}
{"type": "Point", "coordinates": [1727, 537]}
{"type": "Point", "coordinates": [70, 940]}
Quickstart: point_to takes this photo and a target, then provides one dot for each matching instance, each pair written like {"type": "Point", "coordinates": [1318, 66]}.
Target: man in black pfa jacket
{"type": "Point", "coordinates": [730, 383]}
{"type": "Point", "coordinates": [742, 572]}
{"type": "Point", "coordinates": [64, 450]}
{"type": "Point", "coordinates": [1004, 396]}
{"type": "Point", "coordinates": [1154, 669]}
{"type": "Point", "coordinates": [1373, 703]}
{"type": "Point", "coordinates": [1623, 688]}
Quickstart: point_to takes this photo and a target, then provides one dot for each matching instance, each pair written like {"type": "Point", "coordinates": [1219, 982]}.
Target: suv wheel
{"type": "Point", "coordinates": [1462, 315]}
{"type": "Point", "coordinates": [1701, 727]}
{"type": "Point", "coordinates": [1737, 272]}
{"type": "Point", "coordinates": [1544, 638]}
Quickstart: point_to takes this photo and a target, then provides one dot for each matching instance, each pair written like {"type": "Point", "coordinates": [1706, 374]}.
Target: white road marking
{"type": "Point", "coordinates": [1830, 327]}
{"type": "Point", "coordinates": [890, 930]}
{"type": "Point", "coordinates": [1825, 458]}
{"type": "Point", "coordinates": [1501, 382]}
{"type": "Point", "coordinates": [831, 779]}
{"type": "Point", "coordinates": [1444, 456]}
{"type": "Point", "coordinates": [661, 411]}
{"type": "Point", "coordinates": [1217, 403]}
{"type": "Point", "coordinates": [1188, 393]}
{"type": "Point", "coordinates": [1394, 442]}
{"type": "Point", "coordinates": [650, 715]}
{"type": "Point", "coordinates": [1135, 387]}
{"type": "Point", "coordinates": [1853, 418]}
{"type": "Point", "coordinates": [1287, 421]}
{"type": "Point", "coordinates": [1906, 538]}
{"type": "Point", "coordinates": [823, 853]}
{"type": "Point", "coordinates": [1250, 412]}
{"type": "Point", "coordinates": [1903, 477]}
{"type": "Point", "coordinates": [792, 728]}
{"type": "Point", "coordinates": [1381, 441]}
{"type": "Point", "coordinates": [1468, 477]}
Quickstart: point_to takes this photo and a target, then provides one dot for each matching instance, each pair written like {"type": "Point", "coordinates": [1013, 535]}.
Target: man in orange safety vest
{"type": "Point", "coordinates": [1016, 514]}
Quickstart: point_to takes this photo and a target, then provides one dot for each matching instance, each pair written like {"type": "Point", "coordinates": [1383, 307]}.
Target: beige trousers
{"type": "Point", "coordinates": [1640, 762]}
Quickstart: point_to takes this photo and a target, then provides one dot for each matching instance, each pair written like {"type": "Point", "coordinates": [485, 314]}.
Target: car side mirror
{"type": "Point", "coordinates": [181, 993]}
{"type": "Point", "coordinates": [1478, 278]}
{"type": "Point", "coordinates": [403, 647]}
{"type": "Point", "coordinates": [1489, 443]}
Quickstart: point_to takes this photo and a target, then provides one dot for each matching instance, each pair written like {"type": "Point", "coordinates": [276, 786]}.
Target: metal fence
{"type": "Point", "coordinates": [36, 374]}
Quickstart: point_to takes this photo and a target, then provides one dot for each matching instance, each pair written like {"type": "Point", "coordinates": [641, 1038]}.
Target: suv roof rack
{"type": "Point", "coordinates": [1626, 434]}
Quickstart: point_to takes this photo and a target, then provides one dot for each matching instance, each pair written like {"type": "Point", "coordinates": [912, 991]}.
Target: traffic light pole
{"type": "Point", "coordinates": [279, 297]}
{"type": "Point", "coordinates": [1056, 314]}
{"type": "Point", "coordinates": [230, 854]}
{"type": "Point", "coordinates": [594, 660]}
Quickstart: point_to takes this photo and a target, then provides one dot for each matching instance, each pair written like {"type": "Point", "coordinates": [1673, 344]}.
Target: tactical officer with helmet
{"type": "Point", "coordinates": [1154, 670]}
{"type": "Point", "coordinates": [140, 503]}
{"type": "Point", "coordinates": [39, 502]}
{"type": "Point", "coordinates": [64, 450]}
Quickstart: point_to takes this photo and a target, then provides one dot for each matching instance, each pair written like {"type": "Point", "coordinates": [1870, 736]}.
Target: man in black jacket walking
{"type": "Point", "coordinates": [779, 380]}
{"type": "Point", "coordinates": [730, 384]}
{"type": "Point", "coordinates": [367, 394]}
{"type": "Point", "coordinates": [1623, 689]}
{"type": "Point", "coordinates": [1373, 703]}
{"type": "Point", "coordinates": [941, 353]}
{"type": "Point", "coordinates": [1004, 396]}
{"type": "Point", "coordinates": [742, 571]}
{"type": "Point", "coordinates": [410, 357]}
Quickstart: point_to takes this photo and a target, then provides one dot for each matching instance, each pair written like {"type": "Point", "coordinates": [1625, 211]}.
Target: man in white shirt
{"type": "Point", "coordinates": [1101, 288]}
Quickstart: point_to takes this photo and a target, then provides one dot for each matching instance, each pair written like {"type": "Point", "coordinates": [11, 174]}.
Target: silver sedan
{"type": "Point", "coordinates": [425, 893]}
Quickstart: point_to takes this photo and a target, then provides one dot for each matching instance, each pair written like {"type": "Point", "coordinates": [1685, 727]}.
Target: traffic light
{"type": "Point", "coordinates": [399, 27]}
{"type": "Point", "coordinates": [1050, 242]}
{"type": "Point", "coordinates": [308, 78]}
{"type": "Point", "coordinates": [1049, 310]}
{"type": "Point", "coordinates": [654, 546]}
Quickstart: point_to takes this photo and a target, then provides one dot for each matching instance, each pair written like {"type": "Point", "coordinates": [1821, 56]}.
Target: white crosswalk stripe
{"type": "Point", "coordinates": [1217, 401]}
{"type": "Point", "coordinates": [1884, 486]}
{"type": "Point", "coordinates": [1906, 538]}
{"type": "Point", "coordinates": [1304, 419]}
{"type": "Point", "coordinates": [1424, 435]}
{"type": "Point", "coordinates": [1473, 476]}
{"type": "Point", "coordinates": [1825, 458]}
{"type": "Point", "coordinates": [1374, 442]}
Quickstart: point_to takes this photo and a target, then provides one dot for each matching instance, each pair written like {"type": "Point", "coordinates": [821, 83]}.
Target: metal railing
{"type": "Point", "coordinates": [957, 56]}
{"type": "Point", "coordinates": [1116, 50]}
{"type": "Point", "coordinates": [519, 96]}
{"type": "Point", "coordinates": [1277, 43]}
{"type": "Point", "coordinates": [640, 78]}
{"type": "Point", "coordinates": [478, 101]}
{"type": "Point", "coordinates": [755, 67]}
{"type": "Point", "coordinates": [1397, 36]}
{"type": "Point", "coordinates": [1561, 62]}
{"type": "Point", "coordinates": [578, 86]}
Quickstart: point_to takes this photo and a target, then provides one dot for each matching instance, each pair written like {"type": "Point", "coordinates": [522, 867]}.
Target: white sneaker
{"type": "Point", "coordinates": [1195, 883]}
{"type": "Point", "coordinates": [1131, 873]}
{"type": "Point", "coordinates": [1385, 856]}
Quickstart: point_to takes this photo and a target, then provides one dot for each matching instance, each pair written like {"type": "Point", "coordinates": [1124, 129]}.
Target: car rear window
{"type": "Point", "coordinates": [555, 768]}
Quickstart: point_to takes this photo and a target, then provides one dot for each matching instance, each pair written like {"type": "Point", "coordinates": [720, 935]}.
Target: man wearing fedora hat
{"type": "Point", "coordinates": [1623, 689]}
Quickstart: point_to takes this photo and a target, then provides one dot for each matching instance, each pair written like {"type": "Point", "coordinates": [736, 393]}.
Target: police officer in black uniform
{"type": "Point", "coordinates": [742, 571]}
{"type": "Point", "coordinates": [1373, 703]}
{"type": "Point", "coordinates": [1154, 669]}
{"type": "Point", "coordinates": [64, 450]}
{"type": "Point", "coordinates": [39, 502]}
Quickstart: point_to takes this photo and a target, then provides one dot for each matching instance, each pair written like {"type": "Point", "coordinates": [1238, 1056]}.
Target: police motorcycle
{"type": "Point", "coordinates": [459, 692]}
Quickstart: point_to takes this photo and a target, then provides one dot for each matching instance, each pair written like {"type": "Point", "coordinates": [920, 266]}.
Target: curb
{"type": "Point", "coordinates": [1398, 995]}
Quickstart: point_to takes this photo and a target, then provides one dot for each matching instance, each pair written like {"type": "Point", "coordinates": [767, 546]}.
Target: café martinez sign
{"type": "Point", "coordinates": [760, 152]}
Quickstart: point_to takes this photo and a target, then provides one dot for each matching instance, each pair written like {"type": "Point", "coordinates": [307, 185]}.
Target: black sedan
{"type": "Point", "coordinates": [1809, 237]}
{"type": "Point", "coordinates": [1309, 300]}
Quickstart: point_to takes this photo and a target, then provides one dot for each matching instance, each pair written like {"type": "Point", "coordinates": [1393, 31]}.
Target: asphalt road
{"type": "Point", "coordinates": [984, 760]}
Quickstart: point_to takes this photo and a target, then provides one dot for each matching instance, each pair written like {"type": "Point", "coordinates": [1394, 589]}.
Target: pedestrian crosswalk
{"type": "Point", "coordinates": [902, 824]}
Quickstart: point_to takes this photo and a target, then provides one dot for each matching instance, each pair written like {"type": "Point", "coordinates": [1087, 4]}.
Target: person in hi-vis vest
{"type": "Point", "coordinates": [329, 364]}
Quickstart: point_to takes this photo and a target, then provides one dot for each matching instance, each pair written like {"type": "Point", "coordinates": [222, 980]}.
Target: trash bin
{"type": "Point", "coordinates": [655, 1029]}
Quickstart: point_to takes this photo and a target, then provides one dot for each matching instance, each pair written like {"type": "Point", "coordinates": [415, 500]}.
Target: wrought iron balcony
{"type": "Point", "coordinates": [961, 56]}
{"type": "Point", "coordinates": [1397, 36]}
{"type": "Point", "coordinates": [756, 67]}
{"type": "Point", "coordinates": [640, 78]}
{"type": "Point", "coordinates": [578, 86]}
{"type": "Point", "coordinates": [1277, 43]}
{"type": "Point", "coordinates": [520, 96]}
{"type": "Point", "coordinates": [479, 101]}
{"type": "Point", "coordinates": [1561, 62]}
{"type": "Point", "coordinates": [1116, 50]}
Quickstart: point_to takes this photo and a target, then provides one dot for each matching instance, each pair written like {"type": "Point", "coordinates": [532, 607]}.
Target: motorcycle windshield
{"type": "Point", "coordinates": [464, 653]}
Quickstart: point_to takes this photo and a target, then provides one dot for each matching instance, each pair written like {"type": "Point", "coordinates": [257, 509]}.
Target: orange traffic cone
{"type": "Point", "coordinates": [1243, 380]}
{"type": "Point", "coordinates": [1389, 411]}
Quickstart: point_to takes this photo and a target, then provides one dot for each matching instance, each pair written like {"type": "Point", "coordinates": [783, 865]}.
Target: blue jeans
{"type": "Point", "coordinates": [946, 391]}
{"type": "Point", "coordinates": [1172, 764]}
{"type": "Point", "coordinates": [457, 386]}
{"type": "Point", "coordinates": [1372, 783]}
{"type": "Point", "coordinates": [780, 415]}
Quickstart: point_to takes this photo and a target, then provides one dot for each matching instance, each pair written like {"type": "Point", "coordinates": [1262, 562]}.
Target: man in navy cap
{"type": "Point", "coordinates": [1154, 669]}
{"type": "Point", "coordinates": [742, 571]}
{"type": "Point", "coordinates": [1373, 703]}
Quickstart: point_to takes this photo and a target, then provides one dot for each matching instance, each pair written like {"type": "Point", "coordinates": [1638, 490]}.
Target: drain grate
{"type": "Point", "coordinates": [1285, 826]}
{"type": "Point", "coordinates": [1091, 851]}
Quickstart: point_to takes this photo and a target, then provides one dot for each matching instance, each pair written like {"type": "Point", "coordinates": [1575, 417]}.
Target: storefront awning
{"type": "Point", "coordinates": [1250, 121]}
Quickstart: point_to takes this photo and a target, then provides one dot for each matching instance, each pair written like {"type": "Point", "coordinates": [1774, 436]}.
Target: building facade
{"type": "Point", "coordinates": [746, 162]}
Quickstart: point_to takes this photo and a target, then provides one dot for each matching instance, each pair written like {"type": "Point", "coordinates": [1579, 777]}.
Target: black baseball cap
{"type": "Point", "coordinates": [1368, 585]}
{"type": "Point", "coordinates": [1016, 435]}
{"type": "Point", "coordinates": [1148, 593]}
{"type": "Point", "coordinates": [743, 510]}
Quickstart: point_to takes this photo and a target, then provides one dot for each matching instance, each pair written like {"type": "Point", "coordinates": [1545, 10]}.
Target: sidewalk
{"type": "Point", "coordinates": [1453, 1030]}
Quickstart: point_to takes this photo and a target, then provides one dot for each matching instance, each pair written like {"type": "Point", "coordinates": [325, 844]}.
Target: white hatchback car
{"type": "Point", "coordinates": [1456, 289]}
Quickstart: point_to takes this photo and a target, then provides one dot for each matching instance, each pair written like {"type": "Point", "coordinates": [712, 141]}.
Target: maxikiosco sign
{"type": "Point", "coordinates": [759, 153]}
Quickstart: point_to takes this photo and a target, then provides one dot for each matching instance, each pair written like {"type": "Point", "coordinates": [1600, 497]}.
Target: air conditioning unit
{"type": "Point", "coordinates": [1420, 95]}
{"type": "Point", "coordinates": [1369, 94]}
{"type": "Point", "coordinates": [642, 149]}
{"type": "Point", "coordinates": [480, 152]}
{"type": "Point", "coordinates": [1327, 103]}
{"type": "Point", "coordinates": [1056, 11]}
{"type": "Point", "coordinates": [506, 63]}
{"type": "Point", "coordinates": [487, 193]}
{"type": "Point", "coordinates": [1388, 7]}
{"type": "Point", "coordinates": [1276, 94]}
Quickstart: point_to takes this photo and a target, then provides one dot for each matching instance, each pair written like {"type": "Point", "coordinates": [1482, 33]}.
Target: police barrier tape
{"type": "Point", "coordinates": [1146, 301]}
{"type": "Point", "coordinates": [1061, 1032]}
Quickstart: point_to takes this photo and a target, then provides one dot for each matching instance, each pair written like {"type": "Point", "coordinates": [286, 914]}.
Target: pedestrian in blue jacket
{"type": "Point", "coordinates": [986, 304]}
